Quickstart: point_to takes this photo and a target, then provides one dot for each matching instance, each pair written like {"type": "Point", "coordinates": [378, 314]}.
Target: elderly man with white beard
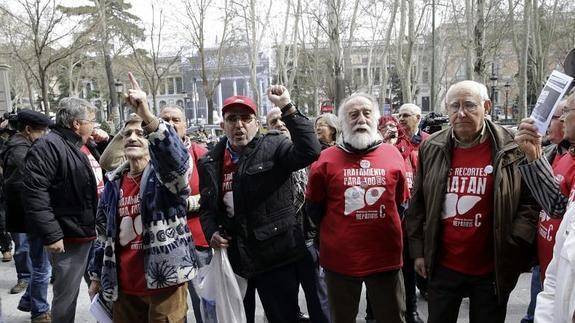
{"type": "Point", "coordinates": [355, 192]}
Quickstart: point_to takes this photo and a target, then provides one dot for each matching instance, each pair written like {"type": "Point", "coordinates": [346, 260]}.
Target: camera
{"type": "Point", "coordinates": [433, 122]}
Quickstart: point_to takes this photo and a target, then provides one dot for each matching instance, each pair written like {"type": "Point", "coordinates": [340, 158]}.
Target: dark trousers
{"type": "Point", "coordinates": [409, 279]}
{"type": "Point", "coordinates": [278, 290]}
{"type": "Point", "coordinates": [308, 276]}
{"type": "Point", "coordinates": [447, 288]}
{"type": "Point", "coordinates": [5, 238]}
{"type": "Point", "coordinates": [385, 291]}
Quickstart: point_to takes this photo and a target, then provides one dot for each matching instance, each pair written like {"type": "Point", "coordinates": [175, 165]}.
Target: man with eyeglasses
{"type": "Point", "coordinates": [471, 221]}
{"type": "Point", "coordinates": [246, 202]}
{"type": "Point", "coordinates": [61, 196]}
{"type": "Point", "coordinates": [409, 116]}
{"type": "Point", "coordinates": [554, 190]}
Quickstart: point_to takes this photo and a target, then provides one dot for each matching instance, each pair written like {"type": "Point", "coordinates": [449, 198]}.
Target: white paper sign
{"type": "Point", "coordinates": [555, 87]}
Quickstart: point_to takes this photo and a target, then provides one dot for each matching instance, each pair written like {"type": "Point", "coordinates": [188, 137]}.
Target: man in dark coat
{"type": "Point", "coordinates": [61, 194]}
{"type": "Point", "coordinates": [30, 258]}
{"type": "Point", "coordinates": [246, 202]}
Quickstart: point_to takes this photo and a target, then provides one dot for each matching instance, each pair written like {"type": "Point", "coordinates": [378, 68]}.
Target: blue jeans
{"type": "Point", "coordinates": [204, 258]}
{"type": "Point", "coordinates": [22, 256]}
{"type": "Point", "coordinates": [36, 296]}
{"type": "Point", "coordinates": [535, 289]}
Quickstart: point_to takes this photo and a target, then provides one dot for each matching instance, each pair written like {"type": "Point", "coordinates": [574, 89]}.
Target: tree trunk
{"type": "Point", "coordinates": [254, 56]}
{"type": "Point", "coordinates": [44, 89]}
{"type": "Point", "coordinates": [29, 88]}
{"type": "Point", "coordinates": [479, 40]}
{"type": "Point", "coordinates": [114, 111]}
{"type": "Point", "coordinates": [469, 22]}
{"type": "Point", "coordinates": [385, 56]}
{"type": "Point", "coordinates": [336, 52]}
{"type": "Point", "coordinates": [210, 100]}
{"type": "Point", "coordinates": [523, 62]}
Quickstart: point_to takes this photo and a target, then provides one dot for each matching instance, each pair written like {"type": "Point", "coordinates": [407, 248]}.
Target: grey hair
{"type": "Point", "coordinates": [273, 110]}
{"type": "Point", "coordinates": [71, 109]}
{"type": "Point", "coordinates": [174, 106]}
{"type": "Point", "coordinates": [374, 106]}
{"type": "Point", "coordinates": [332, 121]}
{"type": "Point", "coordinates": [476, 87]}
{"type": "Point", "coordinates": [412, 108]}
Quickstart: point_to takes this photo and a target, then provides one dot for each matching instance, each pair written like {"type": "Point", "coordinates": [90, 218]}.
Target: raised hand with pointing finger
{"type": "Point", "coordinates": [139, 101]}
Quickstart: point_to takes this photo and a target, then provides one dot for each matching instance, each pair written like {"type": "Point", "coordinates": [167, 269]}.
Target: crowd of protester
{"type": "Point", "coordinates": [457, 207]}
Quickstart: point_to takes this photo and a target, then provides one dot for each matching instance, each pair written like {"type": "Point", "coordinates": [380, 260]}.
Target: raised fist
{"type": "Point", "coordinates": [279, 95]}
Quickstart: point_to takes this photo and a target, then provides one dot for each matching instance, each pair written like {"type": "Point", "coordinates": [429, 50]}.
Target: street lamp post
{"type": "Point", "coordinates": [507, 89]}
{"type": "Point", "coordinates": [493, 80]}
{"type": "Point", "coordinates": [194, 100]}
{"type": "Point", "coordinates": [186, 108]}
{"type": "Point", "coordinates": [119, 90]}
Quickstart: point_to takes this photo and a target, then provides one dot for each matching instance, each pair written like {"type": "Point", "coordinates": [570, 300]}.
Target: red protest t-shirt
{"type": "Point", "coordinates": [467, 216]}
{"type": "Point", "coordinates": [564, 171]}
{"type": "Point", "coordinates": [129, 242]}
{"type": "Point", "coordinates": [96, 168]}
{"type": "Point", "coordinates": [196, 152]}
{"type": "Point", "coordinates": [228, 170]}
{"type": "Point", "coordinates": [360, 233]}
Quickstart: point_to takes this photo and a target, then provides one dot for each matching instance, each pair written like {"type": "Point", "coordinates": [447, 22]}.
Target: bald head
{"type": "Point", "coordinates": [409, 116]}
{"type": "Point", "coordinates": [470, 86]}
{"type": "Point", "coordinates": [467, 103]}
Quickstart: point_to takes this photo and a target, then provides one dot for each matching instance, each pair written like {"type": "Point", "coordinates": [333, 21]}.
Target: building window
{"type": "Point", "coordinates": [179, 85]}
{"type": "Point", "coordinates": [425, 76]}
{"type": "Point", "coordinates": [170, 85]}
{"type": "Point", "coordinates": [162, 104]}
{"type": "Point", "coordinates": [460, 75]}
{"type": "Point", "coordinates": [376, 76]}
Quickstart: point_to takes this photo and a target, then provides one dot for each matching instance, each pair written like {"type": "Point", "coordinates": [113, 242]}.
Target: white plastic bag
{"type": "Point", "coordinates": [221, 291]}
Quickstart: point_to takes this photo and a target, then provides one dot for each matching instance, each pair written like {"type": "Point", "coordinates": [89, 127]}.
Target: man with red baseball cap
{"type": "Point", "coordinates": [246, 202]}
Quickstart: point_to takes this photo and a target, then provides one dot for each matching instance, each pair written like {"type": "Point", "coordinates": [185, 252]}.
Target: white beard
{"type": "Point", "coordinates": [360, 140]}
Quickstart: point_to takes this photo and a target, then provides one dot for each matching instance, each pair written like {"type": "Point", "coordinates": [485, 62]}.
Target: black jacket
{"type": "Point", "coordinates": [12, 157]}
{"type": "Point", "coordinates": [59, 188]}
{"type": "Point", "coordinates": [264, 234]}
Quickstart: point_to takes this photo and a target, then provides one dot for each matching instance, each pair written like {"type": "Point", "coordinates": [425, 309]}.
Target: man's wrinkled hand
{"type": "Point", "coordinates": [139, 100]}
{"type": "Point", "coordinates": [99, 135]}
{"type": "Point", "coordinates": [419, 264]}
{"type": "Point", "coordinates": [56, 247]}
{"type": "Point", "coordinates": [528, 140]}
{"type": "Point", "coordinates": [94, 288]}
{"type": "Point", "coordinates": [279, 95]}
{"type": "Point", "coordinates": [217, 241]}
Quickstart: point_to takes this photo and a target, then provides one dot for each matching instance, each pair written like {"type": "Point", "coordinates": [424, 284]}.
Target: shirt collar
{"type": "Point", "coordinates": [235, 156]}
{"type": "Point", "coordinates": [479, 140]}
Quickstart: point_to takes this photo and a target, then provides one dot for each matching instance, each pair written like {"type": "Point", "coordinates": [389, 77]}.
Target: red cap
{"type": "Point", "coordinates": [239, 100]}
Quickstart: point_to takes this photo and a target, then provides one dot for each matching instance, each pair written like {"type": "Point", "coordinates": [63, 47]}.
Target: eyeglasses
{"type": "Point", "coordinates": [467, 106]}
{"type": "Point", "coordinates": [244, 118]}
{"type": "Point", "coordinates": [88, 121]}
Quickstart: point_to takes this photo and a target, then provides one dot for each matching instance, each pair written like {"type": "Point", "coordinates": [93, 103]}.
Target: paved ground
{"type": "Point", "coordinates": [515, 310]}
